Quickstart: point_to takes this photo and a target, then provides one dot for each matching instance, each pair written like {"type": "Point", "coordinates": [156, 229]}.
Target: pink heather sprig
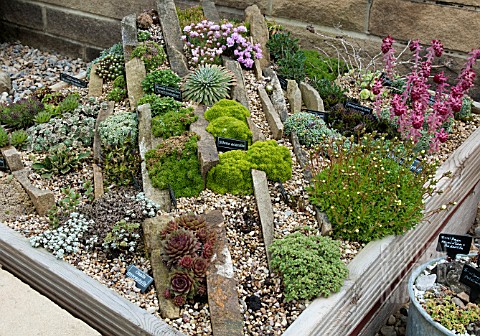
{"type": "Point", "coordinates": [207, 41]}
{"type": "Point", "coordinates": [411, 109]}
{"type": "Point", "coordinates": [388, 55]}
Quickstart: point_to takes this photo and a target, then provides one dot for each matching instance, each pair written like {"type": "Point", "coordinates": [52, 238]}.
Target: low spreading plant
{"type": "Point", "coordinates": [115, 129]}
{"type": "Point", "coordinates": [18, 139]}
{"type": "Point", "coordinates": [160, 105]}
{"type": "Point", "coordinates": [174, 163]}
{"type": "Point", "coordinates": [121, 163]}
{"type": "Point", "coordinates": [368, 190]}
{"type": "Point", "coordinates": [117, 95]}
{"type": "Point", "coordinates": [124, 236]}
{"type": "Point", "coordinates": [282, 43]}
{"type": "Point", "coordinates": [4, 141]}
{"type": "Point", "coordinates": [120, 82]}
{"type": "Point", "coordinates": [207, 41]}
{"type": "Point", "coordinates": [310, 129]}
{"type": "Point", "coordinates": [173, 123]}
{"type": "Point", "coordinates": [208, 84]}
{"type": "Point", "coordinates": [309, 265]}
{"type": "Point", "coordinates": [162, 77]}
{"type": "Point", "coordinates": [189, 15]}
{"type": "Point", "coordinates": [411, 109]}
{"type": "Point", "coordinates": [292, 66]}
{"type": "Point", "coordinates": [64, 207]}
{"type": "Point", "coordinates": [59, 161]}
{"type": "Point", "coordinates": [21, 114]}
{"type": "Point", "coordinates": [68, 104]}
{"type": "Point", "coordinates": [331, 93]}
{"type": "Point", "coordinates": [187, 249]}
{"type": "Point", "coordinates": [151, 54]}
{"type": "Point", "coordinates": [143, 35]}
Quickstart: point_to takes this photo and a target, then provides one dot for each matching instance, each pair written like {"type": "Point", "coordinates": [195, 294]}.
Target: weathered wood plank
{"type": "Point", "coordinates": [379, 269]}
{"type": "Point", "coordinates": [82, 296]}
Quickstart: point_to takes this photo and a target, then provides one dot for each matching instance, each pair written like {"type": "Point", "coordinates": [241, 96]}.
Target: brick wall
{"type": "Point", "coordinates": [82, 28]}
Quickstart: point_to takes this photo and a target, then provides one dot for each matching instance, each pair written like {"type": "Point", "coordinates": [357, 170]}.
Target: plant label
{"type": "Point", "coordinates": [360, 108]}
{"type": "Point", "coordinates": [226, 144]}
{"type": "Point", "coordinates": [471, 277]}
{"type": "Point", "coordinates": [415, 167]}
{"type": "Point", "coordinates": [72, 80]}
{"type": "Point", "coordinates": [142, 280]}
{"type": "Point", "coordinates": [454, 244]}
{"type": "Point", "coordinates": [168, 91]}
{"type": "Point", "coordinates": [321, 114]}
{"type": "Point", "coordinates": [283, 192]}
{"type": "Point", "coordinates": [385, 80]}
{"type": "Point", "coordinates": [173, 199]}
{"type": "Point", "coordinates": [431, 100]}
{"type": "Point", "coordinates": [283, 82]}
{"type": "Point", "coordinates": [3, 164]}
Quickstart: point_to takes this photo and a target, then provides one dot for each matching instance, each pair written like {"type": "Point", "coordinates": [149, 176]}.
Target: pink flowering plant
{"type": "Point", "coordinates": [207, 41]}
{"type": "Point", "coordinates": [420, 116]}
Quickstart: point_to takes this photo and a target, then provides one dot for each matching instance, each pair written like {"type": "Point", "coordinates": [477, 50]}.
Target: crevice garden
{"type": "Point", "coordinates": [241, 172]}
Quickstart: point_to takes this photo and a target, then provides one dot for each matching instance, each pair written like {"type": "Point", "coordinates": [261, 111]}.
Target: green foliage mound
{"type": "Point", "coordinates": [173, 123]}
{"type": "Point", "coordinates": [175, 163]}
{"type": "Point", "coordinates": [229, 127]}
{"type": "Point", "coordinates": [233, 173]}
{"type": "Point", "coordinates": [160, 105]}
{"type": "Point", "coordinates": [368, 191]}
{"type": "Point", "coordinates": [330, 92]}
{"type": "Point", "coordinates": [189, 15]}
{"type": "Point", "coordinates": [115, 129]}
{"type": "Point", "coordinates": [227, 108]}
{"type": "Point", "coordinates": [3, 137]}
{"type": "Point", "coordinates": [162, 77]}
{"type": "Point", "coordinates": [321, 67]}
{"type": "Point", "coordinates": [310, 129]}
{"type": "Point", "coordinates": [273, 159]}
{"type": "Point", "coordinates": [151, 53]}
{"type": "Point", "coordinates": [21, 114]}
{"type": "Point", "coordinates": [309, 265]}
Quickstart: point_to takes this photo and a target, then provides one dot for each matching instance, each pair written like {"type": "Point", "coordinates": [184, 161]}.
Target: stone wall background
{"type": "Point", "coordinates": [83, 28]}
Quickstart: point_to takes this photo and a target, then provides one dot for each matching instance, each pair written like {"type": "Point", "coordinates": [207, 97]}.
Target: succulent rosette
{"type": "Point", "coordinates": [177, 244]}
{"type": "Point", "coordinates": [199, 267]}
{"type": "Point", "coordinates": [182, 283]}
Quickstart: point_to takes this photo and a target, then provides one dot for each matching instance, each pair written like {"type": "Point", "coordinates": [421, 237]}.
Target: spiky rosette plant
{"type": "Point", "coordinates": [191, 222]}
{"type": "Point", "coordinates": [177, 244]}
{"type": "Point", "coordinates": [208, 84]}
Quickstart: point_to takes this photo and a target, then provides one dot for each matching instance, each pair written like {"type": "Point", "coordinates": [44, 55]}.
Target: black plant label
{"type": "Point", "coordinates": [142, 279]}
{"type": "Point", "coordinates": [227, 144]}
{"type": "Point", "coordinates": [385, 80]}
{"type": "Point", "coordinates": [360, 108]}
{"type": "Point", "coordinates": [72, 80]}
{"type": "Point", "coordinates": [173, 199]}
{"type": "Point", "coordinates": [321, 114]}
{"type": "Point", "coordinates": [283, 82]}
{"type": "Point", "coordinates": [471, 277]}
{"type": "Point", "coordinates": [283, 192]}
{"type": "Point", "coordinates": [168, 91]}
{"type": "Point", "coordinates": [454, 244]}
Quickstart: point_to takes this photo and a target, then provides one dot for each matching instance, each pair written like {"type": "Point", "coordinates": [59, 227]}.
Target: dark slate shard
{"type": "Point", "coordinates": [253, 302]}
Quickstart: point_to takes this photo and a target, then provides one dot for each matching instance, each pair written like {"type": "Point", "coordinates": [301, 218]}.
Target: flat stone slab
{"type": "Point", "coordinates": [207, 150]}
{"type": "Point", "coordinates": [135, 72]}
{"type": "Point", "coordinates": [129, 35]}
{"type": "Point", "coordinates": [43, 200]}
{"type": "Point", "coordinates": [265, 208]}
{"type": "Point", "coordinates": [95, 85]}
{"type": "Point", "coordinates": [13, 158]}
{"type": "Point", "coordinates": [210, 11]}
{"type": "Point", "coordinates": [151, 230]}
{"type": "Point", "coordinates": [145, 138]}
{"type": "Point", "coordinates": [226, 316]}
{"type": "Point", "coordinates": [294, 96]}
{"type": "Point", "coordinates": [277, 98]}
{"type": "Point", "coordinates": [311, 98]}
{"type": "Point", "coordinates": [172, 34]}
{"type": "Point", "coordinates": [273, 119]}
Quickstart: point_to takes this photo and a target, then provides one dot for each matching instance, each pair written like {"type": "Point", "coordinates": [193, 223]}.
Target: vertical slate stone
{"type": "Point", "coordinates": [209, 10]}
{"type": "Point", "coordinates": [172, 35]}
{"type": "Point", "coordinates": [129, 35]}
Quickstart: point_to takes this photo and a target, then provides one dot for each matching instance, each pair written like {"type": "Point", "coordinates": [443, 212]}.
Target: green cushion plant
{"type": "Point", "coordinates": [309, 265]}
{"type": "Point", "coordinates": [3, 137]}
{"type": "Point", "coordinates": [118, 127]}
{"type": "Point", "coordinates": [160, 105]}
{"type": "Point", "coordinates": [227, 108]}
{"type": "Point", "coordinates": [310, 129]}
{"type": "Point", "coordinates": [18, 138]}
{"type": "Point", "coordinates": [273, 159]}
{"type": "Point", "coordinates": [229, 127]}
